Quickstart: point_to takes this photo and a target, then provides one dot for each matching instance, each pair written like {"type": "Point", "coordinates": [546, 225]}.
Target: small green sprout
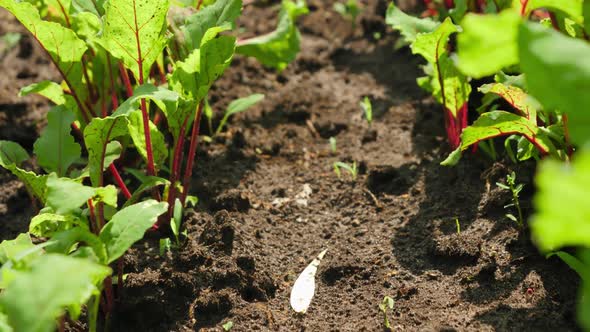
{"type": "Point", "coordinates": [352, 169]}
{"type": "Point", "coordinates": [228, 326]}
{"type": "Point", "coordinates": [333, 147]}
{"type": "Point", "coordinates": [515, 189]}
{"type": "Point", "coordinates": [237, 106]}
{"type": "Point", "coordinates": [367, 108]}
{"type": "Point", "coordinates": [384, 306]}
{"type": "Point", "coordinates": [458, 225]}
{"type": "Point", "coordinates": [349, 10]}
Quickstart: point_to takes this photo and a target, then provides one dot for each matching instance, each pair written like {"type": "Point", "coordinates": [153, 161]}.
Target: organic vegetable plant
{"type": "Point", "coordinates": [125, 125]}
{"type": "Point", "coordinates": [530, 56]}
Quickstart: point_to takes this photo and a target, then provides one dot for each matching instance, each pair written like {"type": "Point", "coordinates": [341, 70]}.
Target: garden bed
{"type": "Point", "coordinates": [391, 232]}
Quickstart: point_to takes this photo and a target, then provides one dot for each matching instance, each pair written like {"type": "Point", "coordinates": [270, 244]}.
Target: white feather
{"type": "Point", "coordinates": [304, 287]}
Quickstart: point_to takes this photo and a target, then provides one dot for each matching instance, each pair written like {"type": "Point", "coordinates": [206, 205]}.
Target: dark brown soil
{"type": "Point", "coordinates": [391, 231]}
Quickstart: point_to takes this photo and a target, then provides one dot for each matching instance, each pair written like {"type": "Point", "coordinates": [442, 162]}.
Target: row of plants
{"type": "Point", "coordinates": [520, 69]}
{"type": "Point", "coordinates": [117, 155]}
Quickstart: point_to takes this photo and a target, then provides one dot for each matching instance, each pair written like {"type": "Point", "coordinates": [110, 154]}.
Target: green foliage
{"type": "Point", "coordinates": [350, 168]}
{"type": "Point", "coordinates": [367, 108]}
{"type": "Point", "coordinates": [488, 43]}
{"type": "Point", "coordinates": [279, 47]}
{"type": "Point", "coordinates": [129, 225]}
{"type": "Point", "coordinates": [237, 106]}
{"type": "Point", "coordinates": [515, 190]}
{"type": "Point", "coordinates": [47, 279]}
{"type": "Point", "coordinates": [386, 304]}
{"type": "Point", "coordinates": [349, 9]}
{"type": "Point", "coordinates": [134, 32]}
{"type": "Point", "coordinates": [408, 26]}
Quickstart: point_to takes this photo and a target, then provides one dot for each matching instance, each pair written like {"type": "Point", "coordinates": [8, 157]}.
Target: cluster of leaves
{"type": "Point", "coordinates": [136, 75]}
{"type": "Point", "coordinates": [530, 56]}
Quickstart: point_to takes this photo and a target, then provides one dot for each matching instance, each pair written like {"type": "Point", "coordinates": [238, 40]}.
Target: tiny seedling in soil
{"type": "Point", "coordinates": [228, 326]}
{"type": "Point", "coordinates": [384, 306]}
{"type": "Point", "coordinates": [237, 106]}
{"type": "Point", "coordinates": [367, 108]}
{"type": "Point", "coordinates": [349, 10]}
{"type": "Point", "coordinates": [515, 189]}
{"type": "Point", "coordinates": [458, 225]}
{"type": "Point", "coordinates": [350, 168]}
{"type": "Point", "coordinates": [333, 147]}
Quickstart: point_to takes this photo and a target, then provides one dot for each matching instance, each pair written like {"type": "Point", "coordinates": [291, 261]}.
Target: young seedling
{"type": "Point", "coordinates": [333, 147]}
{"type": "Point", "coordinates": [386, 304]}
{"type": "Point", "coordinates": [367, 108]}
{"type": "Point", "coordinates": [237, 106]}
{"type": "Point", "coordinates": [458, 225]}
{"type": "Point", "coordinates": [515, 190]}
{"type": "Point", "coordinates": [228, 326]}
{"type": "Point", "coordinates": [350, 168]}
{"type": "Point", "coordinates": [349, 10]}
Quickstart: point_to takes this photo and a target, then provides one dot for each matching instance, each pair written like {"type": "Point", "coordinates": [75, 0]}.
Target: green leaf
{"type": "Point", "coordinates": [558, 75]}
{"type": "Point", "coordinates": [64, 242]}
{"type": "Point", "coordinates": [159, 149]}
{"type": "Point", "coordinates": [56, 149]}
{"type": "Point", "coordinates": [11, 250]}
{"type": "Point", "coordinates": [96, 136]}
{"type": "Point", "coordinates": [572, 261]}
{"type": "Point", "coordinates": [165, 99]}
{"type": "Point", "coordinates": [501, 123]}
{"type": "Point", "coordinates": [47, 224]}
{"type": "Point", "coordinates": [134, 31]}
{"type": "Point", "coordinates": [220, 13]}
{"type": "Point", "coordinates": [488, 43]}
{"type": "Point", "coordinates": [571, 8]}
{"type": "Point", "coordinates": [12, 155]}
{"type": "Point", "coordinates": [447, 84]}
{"type": "Point", "coordinates": [47, 89]}
{"type": "Point", "coordinates": [62, 44]}
{"type": "Point", "coordinates": [38, 297]}
{"type": "Point", "coordinates": [453, 158]}
{"type": "Point", "coordinates": [516, 97]}
{"type": "Point", "coordinates": [65, 195]}
{"type": "Point", "coordinates": [128, 226]}
{"type": "Point", "coordinates": [149, 182]}
{"type": "Point", "coordinates": [237, 106]}
{"type": "Point", "coordinates": [279, 47]}
{"type": "Point", "coordinates": [408, 26]}
{"type": "Point", "coordinates": [562, 214]}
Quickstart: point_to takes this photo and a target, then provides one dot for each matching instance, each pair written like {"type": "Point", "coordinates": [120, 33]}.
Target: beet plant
{"type": "Point", "coordinates": [531, 57]}
{"type": "Point", "coordinates": [117, 155]}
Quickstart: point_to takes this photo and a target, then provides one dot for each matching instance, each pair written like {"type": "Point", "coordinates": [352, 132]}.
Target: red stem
{"type": "Point", "coordinates": [523, 3]}
{"type": "Point", "coordinates": [175, 171]}
{"type": "Point", "coordinates": [554, 22]}
{"type": "Point", "coordinates": [119, 181]}
{"type": "Point", "coordinates": [126, 80]}
{"type": "Point", "coordinates": [188, 172]}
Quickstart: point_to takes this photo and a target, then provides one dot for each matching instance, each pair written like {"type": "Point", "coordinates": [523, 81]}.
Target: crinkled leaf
{"type": "Point", "coordinates": [56, 149]}
{"type": "Point", "coordinates": [38, 297]}
{"type": "Point", "coordinates": [66, 195]}
{"type": "Point", "coordinates": [279, 47]}
{"type": "Point", "coordinates": [128, 226]}
{"type": "Point", "coordinates": [408, 26]}
{"type": "Point", "coordinates": [562, 213]}
{"type": "Point", "coordinates": [558, 75]}
{"type": "Point", "coordinates": [159, 149]}
{"type": "Point", "coordinates": [488, 43]}
{"type": "Point", "coordinates": [218, 14]}
{"type": "Point", "coordinates": [46, 224]}
{"type": "Point", "coordinates": [134, 31]}
{"type": "Point", "coordinates": [516, 97]}
{"type": "Point", "coordinates": [449, 86]}
{"type": "Point", "coordinates": [96, 136]}
{"type": "Point", "coordinates": [501, 123]}
{"type": "Point", "coordinates": [62, 44]}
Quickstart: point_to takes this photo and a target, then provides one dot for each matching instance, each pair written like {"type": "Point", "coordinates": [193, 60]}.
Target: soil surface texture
{"type": "Point", "coordinates": [270, 201]}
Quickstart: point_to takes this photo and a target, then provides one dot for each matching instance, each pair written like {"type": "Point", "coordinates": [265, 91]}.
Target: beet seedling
{"type": "Point", "coordinates": [367, 108]}
{"type": "Point", "coordinates": [386, 304]}
{"type": "Point", "coordinates": [350, 168]}
{"type": "Point", "coordinates": [515, 190]}
{"type": "Point", "coordinates": [349, 10]}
